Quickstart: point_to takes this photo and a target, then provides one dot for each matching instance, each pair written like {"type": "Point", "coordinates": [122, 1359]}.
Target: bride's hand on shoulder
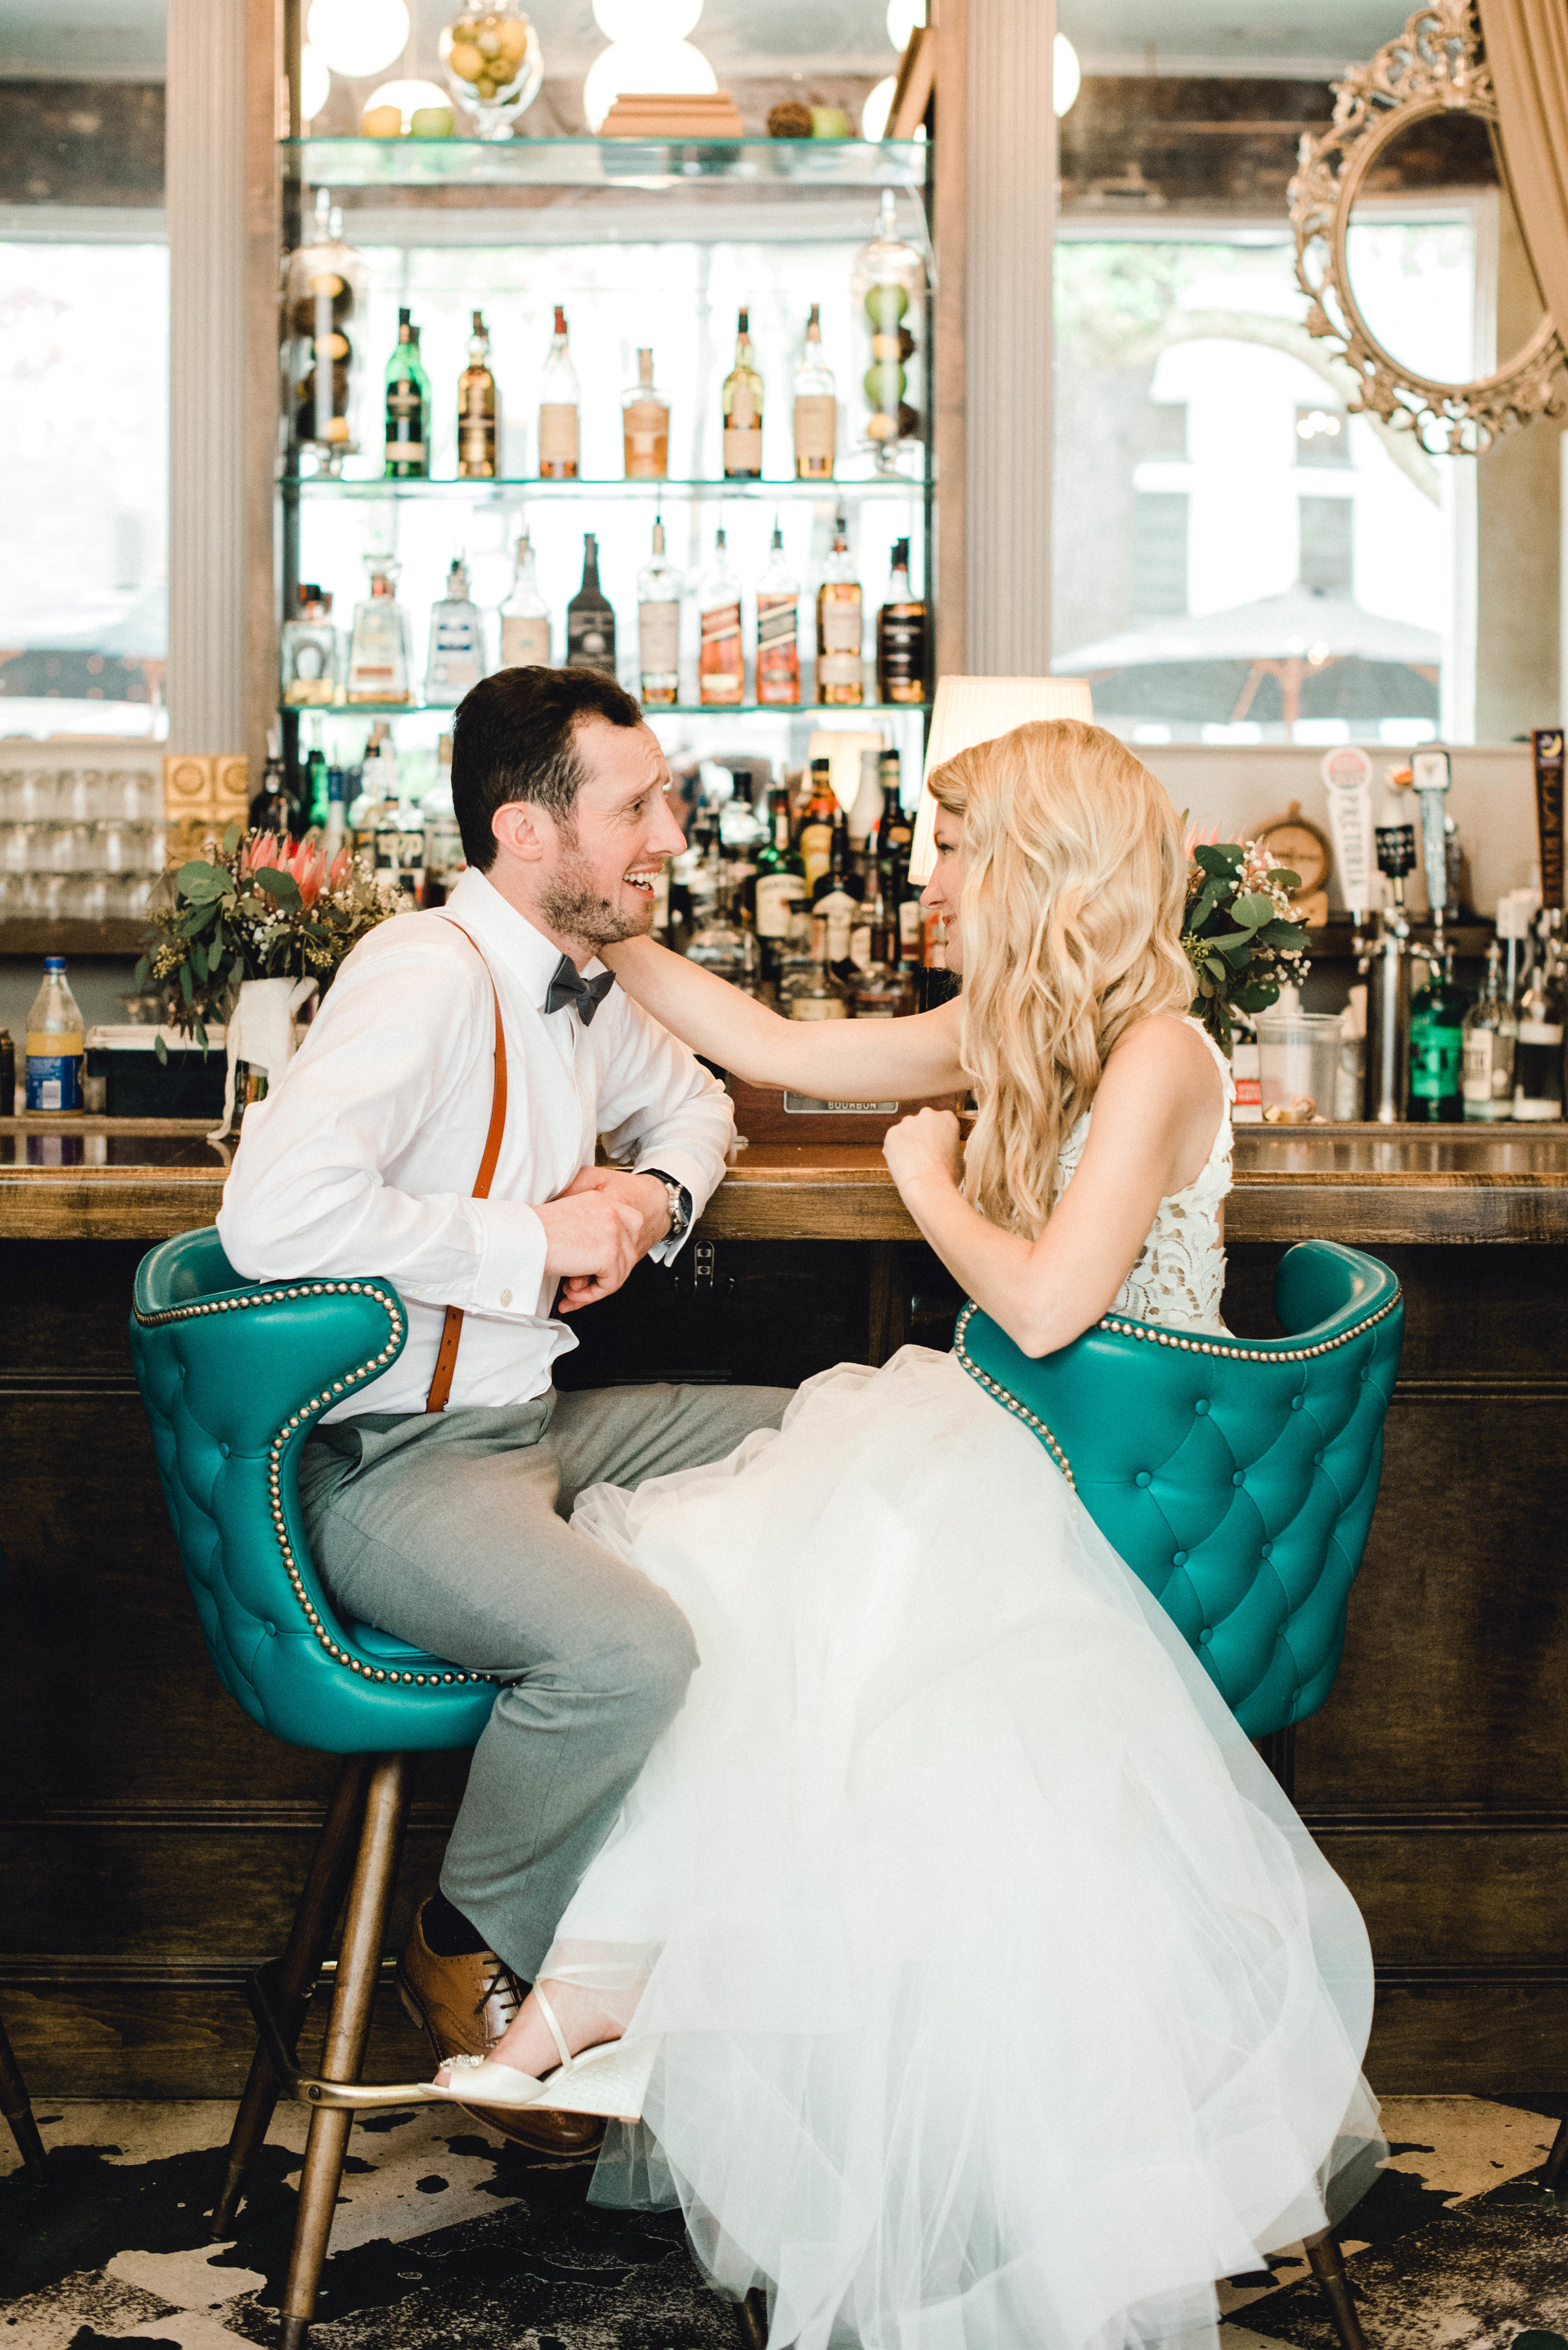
{"type": "Point", "coordinates": [925, 1149]}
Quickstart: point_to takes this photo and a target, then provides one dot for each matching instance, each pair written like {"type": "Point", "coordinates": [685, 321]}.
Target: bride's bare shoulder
{"type": "Point", "coordinates": [1165, 1058]}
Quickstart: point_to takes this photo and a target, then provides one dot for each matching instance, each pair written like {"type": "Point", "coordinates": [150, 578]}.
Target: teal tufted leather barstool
{"type": "Point", "coordinates": [1237, 1478]}
{"type": "Point", "coordinates": [234, 1375]}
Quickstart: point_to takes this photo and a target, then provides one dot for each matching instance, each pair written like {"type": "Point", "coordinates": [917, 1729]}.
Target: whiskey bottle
{"type": "Point", "coordinates": [721, 663]}
{"type": "Point", "coordinates": [744, 410]}
{"type": "Point", "coordinates": [781, 882]}
{"type": "Point", "coordinates": [658, 585]}
{"type": "Point", "coordinates": [524, 616]}
{"type": "Point", "coordinates": [902, 636]}
{"type": "Point", "coordinates": [1538, 1054]}
{"type": "Point", "coordinates": [816, 408]}
{"type": "Point", "coordinates": [1436, 1049]}
{"type": "Point", "coordinates": [407, 409]}
{"type": "Point", "coordinates": [590, 620]}
{"type": "Point", "coordinates": [645, 426]}
{"type": "Point", "coordinates": [456, 661]}
{"type": "Point", "coordinates": [840, 672]}
{"type": "Point", "coordinates": [778, 631]}
{"type": "Point", "coordinates": [1489, 1033]}
{"type": "Point", "coordinates": [815, 839]}
{"type": "Point", "coordinates": [559, 396]}
{"type": "Point", "coordinates": [476, 409]}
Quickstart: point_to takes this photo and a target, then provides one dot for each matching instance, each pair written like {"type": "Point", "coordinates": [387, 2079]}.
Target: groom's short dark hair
{"type": "Point", "coordinates": [513, 737]}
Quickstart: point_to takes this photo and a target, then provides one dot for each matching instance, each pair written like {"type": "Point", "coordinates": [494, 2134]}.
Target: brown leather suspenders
{"type": "Point", "coordinates": [452, 1329]}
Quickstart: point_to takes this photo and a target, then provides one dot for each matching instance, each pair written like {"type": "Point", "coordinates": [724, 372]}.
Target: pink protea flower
{"type": "Point", "coordinates": [1197, 837]}
{"type": "Point", "coordinates": [342, 867]}
{"type": "Point", "coordinates": [260, 848]}
{"type": "Point", "coordinates": [307, 863]}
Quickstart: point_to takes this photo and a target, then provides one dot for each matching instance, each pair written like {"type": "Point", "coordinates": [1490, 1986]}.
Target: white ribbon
{"type": "Point", "coordinates": [261, 1031]}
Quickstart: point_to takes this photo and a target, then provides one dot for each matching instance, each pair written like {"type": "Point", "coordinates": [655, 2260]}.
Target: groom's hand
{"type": "Point", "coordinates": [591, 1242]}
{"type": "Point", "coordinates": [642, 1204]}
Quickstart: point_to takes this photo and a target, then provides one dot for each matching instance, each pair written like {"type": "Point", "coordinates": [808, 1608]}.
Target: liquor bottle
{"type": "Point", "coordinates": [524, 616]}
{"type": "Point", "coordinates": [476, 409]}
{"type": "Point", "coordinates": [312, 650]}
{"type": "Point", "coordinates": [456, 661]}
{"type": "Point", "coordinates": [744, 410]}
{"type": "Point", "coordinates": [269, 810]}
{"type": "Point", "coordinates": [377, 791]}
{"type": "Point", "coordinates": [866, 810]}
{"type": "Point", "coordinates": [885, 990]}
{"type": "Point", "coordinates": [334, 831]}
{"type": "Point", "coordinates": [315, 794]}
{"type": "Point", "coordinates": [781, 881]}
{"type": "Point", "coordinates": [1491, 1029]}
{"type": "Point", "coordinates": [407, 409]}
{"type": "Point", "coordinates": [897, 831]}
{"type": "Point", "coordinates": [56, 1042]}
{"type": "Point", "coordinates": [815, 839]}
{"type": "Point", "coordinates": [902, 636]}
{"type": "Point", "coordinates": [1538, 1054]}
{"type": "Point", "coordinates": [840, 672]}
{"type": "Point", "coordinates": [836, 894]}
{"type": "Point", "coordinates": [380, 654]}
{"type": "Point", "coordinates": [645, 426]}
{"type": "Point", "coordinates": [1436, 1049]}
{"type": "Point", "coordinates": [816, 408]}
{"type": "Point", "coordinates": [721, 663]}
{"type": "Point", "coordinates": [778, 629]}
{"type": "Point", "coordinates": [590, 621]}
{"type": "Point", "coordinates": [659, 588]}
{"type": "Point", "coordinates": [559, 396]}
{"type": "Point", "coordinates": [816, 992]}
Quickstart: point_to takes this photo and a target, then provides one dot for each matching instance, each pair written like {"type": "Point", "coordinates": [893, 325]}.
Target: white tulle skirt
{"type": "Point", "coordinates": [1001, 1998]}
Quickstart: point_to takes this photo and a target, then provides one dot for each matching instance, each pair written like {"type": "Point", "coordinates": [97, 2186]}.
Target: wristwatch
{"type": "Point", "coordinates": [680, 1200]}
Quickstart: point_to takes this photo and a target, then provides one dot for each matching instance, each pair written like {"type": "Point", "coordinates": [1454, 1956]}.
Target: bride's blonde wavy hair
{"type": "Point", "coordinates": [1075, 885]}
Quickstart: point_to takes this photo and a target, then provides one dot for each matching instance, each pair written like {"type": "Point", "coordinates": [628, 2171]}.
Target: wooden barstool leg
{"type": "Point", "coordinates": [17, 2109]}
{"type": "Point", "coordinates": [312, 1922]}
{"type": "Point", "coordinates": [1551, 2171]}
{"type": "Point", "coordinates": [1326, 2262]}
{"type": "Point", "coordinates": [348, 2028]}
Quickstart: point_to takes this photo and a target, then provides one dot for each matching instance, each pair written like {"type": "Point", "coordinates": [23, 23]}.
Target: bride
{"type": "Point", "coordinates": [975, 1984]}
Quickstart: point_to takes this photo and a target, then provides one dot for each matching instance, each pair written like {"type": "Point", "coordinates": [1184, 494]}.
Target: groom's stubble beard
{"type": "Point", "coordinates": [575, 909]}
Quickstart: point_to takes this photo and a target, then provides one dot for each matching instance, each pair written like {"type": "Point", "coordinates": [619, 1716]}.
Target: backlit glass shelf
{"type": "Point", "coordinates": [605, 162]}
{"type": "Point", "coordinates": [897, 486]}
{"type": "Point", "coordinates": [664, 710]}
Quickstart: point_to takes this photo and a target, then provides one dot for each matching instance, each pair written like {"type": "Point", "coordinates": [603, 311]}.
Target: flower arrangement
{"type": "Point", "coordinates": [1240, 931]}
{"type": "Point", "coordinates": [262, 908]}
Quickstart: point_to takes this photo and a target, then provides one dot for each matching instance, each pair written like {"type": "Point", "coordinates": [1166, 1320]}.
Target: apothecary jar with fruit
{"type": "Point", "coordinates": [494, 64]}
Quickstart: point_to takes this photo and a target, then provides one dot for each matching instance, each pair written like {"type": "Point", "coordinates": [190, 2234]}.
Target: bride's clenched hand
{"type": "Point", "coordinates": [922, 1151]}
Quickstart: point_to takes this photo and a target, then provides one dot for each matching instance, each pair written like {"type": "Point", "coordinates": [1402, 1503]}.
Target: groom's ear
{"type": "Point", "coordinates": [524, 829]}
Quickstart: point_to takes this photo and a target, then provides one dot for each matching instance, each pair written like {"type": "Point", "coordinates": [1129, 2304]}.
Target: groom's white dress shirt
{"type": "Point", "coordinates": [363, 1160]}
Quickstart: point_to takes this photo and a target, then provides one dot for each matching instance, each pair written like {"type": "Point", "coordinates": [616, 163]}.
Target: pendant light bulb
{"type": "Point", "coordinates": [1066, 75]}
{"type": "Point", "coordinates": [647, 21]}
{"type": "Point", "coordinates": [669, 68]}
{"type": "Point", "coordinates": [357, 37]}
{"type": "Point", "coordinates": [315, 83]}
{"type": "Point", "coordinates": [903, 16]}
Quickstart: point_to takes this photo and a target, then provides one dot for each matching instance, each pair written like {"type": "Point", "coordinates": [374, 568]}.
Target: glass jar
{"type": "Point", "coordinates": [494, 65]}
{"type": "Point", "coordinates": [324, 307]}
{"type": "Point", "coordinates": [888, 295]}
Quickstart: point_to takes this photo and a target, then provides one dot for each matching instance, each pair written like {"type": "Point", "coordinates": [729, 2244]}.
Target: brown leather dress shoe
{"type": "Point", "coordinates": [463, 2006]}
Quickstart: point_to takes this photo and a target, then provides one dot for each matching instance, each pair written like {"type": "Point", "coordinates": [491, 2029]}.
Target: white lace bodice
{"type": "Point", "coordinates": [1180, 1276]}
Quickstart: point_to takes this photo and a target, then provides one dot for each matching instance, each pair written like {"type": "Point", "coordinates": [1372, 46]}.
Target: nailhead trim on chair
{"type": "Point", "coordinates": [1005, 1397]}
{"type": "Point", "coordinates": [284, 1437]}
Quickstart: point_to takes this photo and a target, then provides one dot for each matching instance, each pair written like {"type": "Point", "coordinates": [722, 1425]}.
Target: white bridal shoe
{"type": "Point", "coordinates": [609, 2079]}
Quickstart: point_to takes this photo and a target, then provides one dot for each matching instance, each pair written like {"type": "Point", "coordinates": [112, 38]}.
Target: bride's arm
{"type": "Point", "coordinates": [1154, 1116]}
{"type": "Point", "coordinates": [836, 1060]}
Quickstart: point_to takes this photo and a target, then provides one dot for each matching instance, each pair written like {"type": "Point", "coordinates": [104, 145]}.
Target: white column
{"type": "Point", "coordinates": [1012, 136]}
{"type": "Point", "coordinates": [205, 179]}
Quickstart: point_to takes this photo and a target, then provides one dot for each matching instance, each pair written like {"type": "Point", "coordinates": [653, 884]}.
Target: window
{"type": "Point", "coordinates": [1327, 535]}
{"type": "Point", "coordinates": [1159, 554]}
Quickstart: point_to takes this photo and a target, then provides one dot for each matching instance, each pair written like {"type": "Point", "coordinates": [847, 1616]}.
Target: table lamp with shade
{"type": "Point", "coordinates": [970, 710]}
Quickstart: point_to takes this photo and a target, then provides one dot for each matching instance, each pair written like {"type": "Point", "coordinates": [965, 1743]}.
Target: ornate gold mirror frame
{"type": "Point", "coordinates": [1436, 67]}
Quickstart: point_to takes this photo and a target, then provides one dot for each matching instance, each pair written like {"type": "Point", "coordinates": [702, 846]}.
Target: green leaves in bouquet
{"type": "Point", "coordinates": [1239, 938]}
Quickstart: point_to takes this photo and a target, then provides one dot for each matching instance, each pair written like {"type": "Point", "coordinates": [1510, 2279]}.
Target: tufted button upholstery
{"type": "Point", "coordinates": [1236, 1479]}
{"type": "Point", "coordinates": [234, 1375]}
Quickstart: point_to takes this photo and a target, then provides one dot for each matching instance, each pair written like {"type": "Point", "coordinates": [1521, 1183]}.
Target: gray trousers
{"type": "Point", "coordinates": [450, 1531]}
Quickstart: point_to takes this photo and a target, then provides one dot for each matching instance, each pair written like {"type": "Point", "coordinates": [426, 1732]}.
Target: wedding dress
{"type": "Point", "coordinates": [997, 1998]}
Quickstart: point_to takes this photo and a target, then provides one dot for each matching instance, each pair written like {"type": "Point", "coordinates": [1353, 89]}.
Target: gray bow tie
{"type": "Point", "coordinates": [569, 986]}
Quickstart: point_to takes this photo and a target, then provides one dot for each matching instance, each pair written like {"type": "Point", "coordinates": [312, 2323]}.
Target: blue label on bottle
{"type": "Point", "coordinates": [54, 1081]}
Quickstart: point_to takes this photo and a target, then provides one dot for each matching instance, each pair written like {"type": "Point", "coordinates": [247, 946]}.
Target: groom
{"type": "Point", "coordinates": [437, 1504]}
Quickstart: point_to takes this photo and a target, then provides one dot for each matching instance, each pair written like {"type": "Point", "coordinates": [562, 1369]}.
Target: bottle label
{"type": "Point", "coordinates": [1437, 1056]}
{"type": "Point", "coordinates": [815, 432]}
{"type": "Point", "coordinates": [721, 665]}
{"type": "Point", "coordinates": [557, 433]}
{"type": "Point", "coordinates": [646, 428]}
{"type": "Point", "coordinates": [840, 624]}
{"type": "Point", "coordinates": [476, 443]}
{"type": "Point", "coordinates": [54, 1076]}
{"type": "Point", "coordinates": [659, 638]}
{"type": "Point", "coordinates": [1479, 1046]}
{"type": "Point", "coordinates": [590, 640]}
{"type": "Point", "coordinates": [776, 894]}
{"type": "Point", "coordinates": [742, 447]}
{"type": "Point", "coordinates": [1540, 1032]}
{"type": "Point", "coordinates": [911, 928]}
{"type": "Point", "coordinates": [526, 641]}
{"type": "Point", "coordinates": [901, 651]}
{"type": "Point", "coordinates": [778, 649]}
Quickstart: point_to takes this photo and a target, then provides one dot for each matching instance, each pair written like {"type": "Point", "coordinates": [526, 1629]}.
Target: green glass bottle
{"type": "Point", "coordinates": [315, 790]}
{"type": "Point", "coordinates": [407, 409]}
{"type": "Point", "coordinates": [1438, 1050]}
{"type": "Point", "coordinates": [780, 882]}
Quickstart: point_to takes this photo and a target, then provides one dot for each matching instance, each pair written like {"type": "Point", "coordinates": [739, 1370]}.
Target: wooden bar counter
{"type": "Point", "coordinates": [151, 1838]}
